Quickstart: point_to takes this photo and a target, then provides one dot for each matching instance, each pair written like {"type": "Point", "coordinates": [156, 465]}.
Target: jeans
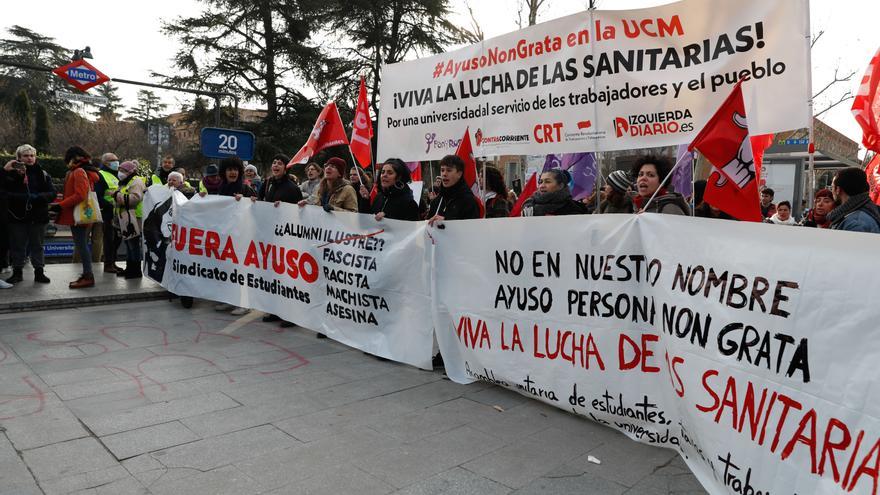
{"type": "Point", "coordinates": [24, 238]}
{"type": "Point", "coordinates": [81, 242]}
{"type": "Point", "coordinates": [133, 252]}
{"type": "Point", "coordinates": [95, 235]}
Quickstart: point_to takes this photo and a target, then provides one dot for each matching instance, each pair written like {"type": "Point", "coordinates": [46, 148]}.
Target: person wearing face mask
{"type": "Point", "coordinates": [649, 171]}
{"type": "Point", "coordinates": [104, 189]}
{"type": "Point", "coordinates": [394, 199]}
{"type": "Point", "coordinates": [822, 206]}
{"type": "Point", "coordinates": [553, 197]}
{"type": "Point", "coordinates": [28, 190]}
{"type": "Point", "coordinates": [129, 213]}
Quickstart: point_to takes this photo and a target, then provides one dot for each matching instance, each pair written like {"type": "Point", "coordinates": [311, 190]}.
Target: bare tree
{"type": "Point", "coordinates": [530, 8]}
{"type": "Point", "coordinates": [475, 33]}
{"type": "Point", "coordinates": [835, 81]}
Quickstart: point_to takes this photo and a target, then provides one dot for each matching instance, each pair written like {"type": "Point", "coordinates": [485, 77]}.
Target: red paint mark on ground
{"type": "Point", "coordinates": [301, 361]}
{"type": "Point", "coordinates": [38, 395]}
{"type": "Point", "coordinates": [190, 356]}
{"type": "Point", "coordinates": [106, 333]}
{"type": "Point", "coordinates": [5, 354]}
{"type": "Point", "coordinates": [137, 379]}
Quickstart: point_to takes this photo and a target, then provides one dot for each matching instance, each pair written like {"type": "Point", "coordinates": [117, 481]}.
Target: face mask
{"type": "Point", "coordinates": [113, 165]}
{"type": "Point", "coordinates": [122, 175]}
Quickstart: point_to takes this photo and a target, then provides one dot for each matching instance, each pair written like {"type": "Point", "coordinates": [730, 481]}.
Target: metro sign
{"type": "Point", "coordinates": [81, 74]}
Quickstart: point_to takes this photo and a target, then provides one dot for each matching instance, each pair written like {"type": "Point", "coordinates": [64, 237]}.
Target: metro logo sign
{"type": "Point", "coordinates": [81, 74]}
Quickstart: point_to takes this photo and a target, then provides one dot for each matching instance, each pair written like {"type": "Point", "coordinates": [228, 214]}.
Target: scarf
{"type": "Point", "coordinates": [857, 202]}
{"type": "Point", "coordinates": [549, 203]}
{"type": "Point", "coordinates": [640, 201]}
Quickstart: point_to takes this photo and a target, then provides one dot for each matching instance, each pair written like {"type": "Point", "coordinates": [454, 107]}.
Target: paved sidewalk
{"type": "Point", "coordinates": [150, 398]}
{"type": "Point", "coordinates": [31, 296]}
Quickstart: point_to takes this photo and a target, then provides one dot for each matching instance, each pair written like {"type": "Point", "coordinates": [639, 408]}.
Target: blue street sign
{"type": "Point", "coordinates": [222, 143]}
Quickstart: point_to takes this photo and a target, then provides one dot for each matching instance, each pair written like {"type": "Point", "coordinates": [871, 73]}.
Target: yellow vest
{"type": "Point", "coordinates": [124, 190]}
{"type": "Point", "coordinates": [112, 184]}
{"type": "Point", "coordinates": [155, 180]}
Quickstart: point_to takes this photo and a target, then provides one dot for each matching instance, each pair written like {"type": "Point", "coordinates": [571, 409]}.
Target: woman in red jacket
{"type": "Point", "coordinates": [80, 179]}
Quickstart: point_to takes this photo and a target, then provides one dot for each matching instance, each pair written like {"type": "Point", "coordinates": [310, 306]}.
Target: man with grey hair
{"type": "Point", "coordinates": [104, 189]}
{"type": "Point", "coordinates": [29, 191]}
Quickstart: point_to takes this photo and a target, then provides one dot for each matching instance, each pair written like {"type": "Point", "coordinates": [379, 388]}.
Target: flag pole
{"type": "Point", "coordinates": [599, 178]}
{"type": "Point", "coordinates": [693, 183]}
{"type": "Point", "coordinates": [811, 148]}
{"type": "Point", "coordinates": [662, 184]}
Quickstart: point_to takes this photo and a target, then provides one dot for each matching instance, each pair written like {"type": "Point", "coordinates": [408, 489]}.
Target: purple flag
{"type": "Point", "coordinates": [551, 162]}
{"type": "Point", "coordinates": [583, 170]}
{"type": "Point", "coordinates": [682, 179]}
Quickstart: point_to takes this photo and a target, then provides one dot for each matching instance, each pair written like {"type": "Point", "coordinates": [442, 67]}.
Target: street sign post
{"type": "Point", "coordinates": [81, 74]}
{"type": "Point", "coordinates": [223, 143]}
{"type": "Point", "coordinates": [84, 98]}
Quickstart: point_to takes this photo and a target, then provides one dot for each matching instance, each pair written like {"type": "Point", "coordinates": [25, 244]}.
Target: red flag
{"type": "Point", "coordinates": [415, 170]}
{"type": "Point", "coordinates": [531, 187]}
{"type": "Point", "coordinates": [465, 151]}
{"type": "Point", "coordinates": [724, 141]}
{"type": "Point", "coordinates": [362, 129]}
{"type": "Point", "coordinates": [873, 172]}
{"type": "Point", "coordinates": [328, 131]}
{"type": "Point", "coordinates": [866, 105]}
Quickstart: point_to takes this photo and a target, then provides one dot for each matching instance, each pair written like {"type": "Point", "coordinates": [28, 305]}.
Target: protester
{"type": "Point", "coordinates": [705, 210]}
{"type": "Point", "coordinates": [767, 206]}
{"type": "Point", "coordinates": [649, 171]}
{"type": "Point", "coordinates": [178, 183]}
{"type": "Point", "coordinates": [334, 193]}
{"type": "Point", "coordinates": [394, 198]}
{"type": "Point", "coordinates": [4, 231]}
{"type": "Point", "coordinates": [782, 215]}
{"type": "Point", "coordinates": [129, 214]}
{"type": "Point", "coordinates": [161, 175]}
{"type": "Point", "coordinates": [309, 188]}
{"type": "Point", "coordinates": [363, 188]}
{"type": "Point", "coordinates": [553, 197]}
{"type": "Point", "coordinates": [856, 213]}
{"type": "Point", "coordinates": [279, 188]}
{"type": "Point", "coordinates": [252, 177]}
{"type": "Point", "coordinates": [617, 189]}
{"type": "Point", "coordinates": [822, 206]}
{"type": "Point", "coordinates": [29, 190]}
{"type": "Point", "coordinates": [454, 200]}
{"type": "Point", "coordinates": [80, 179]}
{"type": "Point", "coordinates": [94, 231]}
{"type": "Point", "coordinates": [494, 193]}
{"type": "Point", "coordinates": [104, 189]}
{"type": "Point", "coordinates": [211, 182]}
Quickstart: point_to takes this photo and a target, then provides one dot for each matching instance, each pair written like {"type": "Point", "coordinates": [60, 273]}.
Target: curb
{"type": "Point", "coordinates": [78, 302]}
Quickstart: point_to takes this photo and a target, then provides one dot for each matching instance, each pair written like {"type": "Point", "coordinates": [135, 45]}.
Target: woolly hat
{"type": "Point", "coordinates": [824, 193]}
{"type": "Point", "coordinates": [338, 163]}
{"type": "Point", "coordinates": [252, 167]}
{"type": "Point", "coordinates": [211, 170]}
{"type": "Point", "coordinates": [129, 167]}
{"type": "Point", "coordinates": [619, 181]}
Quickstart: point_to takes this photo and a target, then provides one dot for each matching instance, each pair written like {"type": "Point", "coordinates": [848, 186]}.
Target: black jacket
{"type": "Point", "coordinates": [283, 189]}
{"type": "Point", "coordinates": [28, 202]}
{"type": "Point", "coordinates": [455, 203]}
{"type": "Point", "coordinates": [397, 204]}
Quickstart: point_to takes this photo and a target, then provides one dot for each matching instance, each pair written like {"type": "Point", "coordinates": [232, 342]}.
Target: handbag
{"type": "Point", "coordinates": [88, 211]}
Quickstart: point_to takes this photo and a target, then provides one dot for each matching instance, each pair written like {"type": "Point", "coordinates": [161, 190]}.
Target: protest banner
{"type": "Point", "coordinates": [603, 80]}
{"type": "Point", "coordinates": [746, 351]}
{"type": "Point", "coordinates": [359, 281]}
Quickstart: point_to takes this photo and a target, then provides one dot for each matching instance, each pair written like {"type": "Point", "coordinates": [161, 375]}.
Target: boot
{"type": "Point", "coordinates": [40, 276]}
{"type": "Point", "coordinates": [133, 272]}
{"type": "Point", "coordinates": [111, 268]}
{"type": "Point", "coordinates": [83, 282]}
{"type": "Point", "coordinates": [16, 276]}
{"type": "Point", "coordinates": [121, 272]}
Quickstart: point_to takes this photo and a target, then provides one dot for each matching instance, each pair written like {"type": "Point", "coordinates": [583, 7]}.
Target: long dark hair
{"type": "Point", "coordinates": [495, 182]}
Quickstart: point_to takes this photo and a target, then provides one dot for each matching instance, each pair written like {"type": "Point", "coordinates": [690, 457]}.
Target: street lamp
{"type": "Point", "coordinates": [81, 54]}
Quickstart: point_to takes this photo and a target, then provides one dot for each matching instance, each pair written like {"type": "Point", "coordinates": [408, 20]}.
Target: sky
{"type": "Point", "coordinates": [126, 41]}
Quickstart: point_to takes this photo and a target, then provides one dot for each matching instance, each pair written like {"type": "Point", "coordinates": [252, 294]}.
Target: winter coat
{"type": "Point", "coordinates": [280, 189]}
{"type": "Point", "coordinates": [342, 198]}
{"type": "Point", "coordinates": [77, 184]}
{"type": "Point", "coordinates": [309, 190]}
{"type": "Point", "coordinates": [666, 202]}
{"type": "Point", "coordinates": [455, 203]}
{"type": "Point", "coordinates": [857, 214]}
{"type": "Point", "coordinates": [496, 206]}
{"type": "Point", "coordinates": [397, 204]}
{"type": "Point", "coordinates": [552, 204]}
{"type": "Point", "coordinates": [129, 198]}
{"type": "Point", "coordinates": [776, 221]}
{"type": "Point", "coordinates": [28, 200]}
{"type": "Point", "coordinates": [364, 205]}
{"type": "Point", "coordinates": [624, 206]}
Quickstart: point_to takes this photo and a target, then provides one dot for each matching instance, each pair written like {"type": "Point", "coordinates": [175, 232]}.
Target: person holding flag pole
{"type": "Point", "coordinates": [361, 138]}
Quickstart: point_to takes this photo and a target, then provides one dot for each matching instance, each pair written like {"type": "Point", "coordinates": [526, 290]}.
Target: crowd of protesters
{"type": "Point", "coordinates": [28, 197]}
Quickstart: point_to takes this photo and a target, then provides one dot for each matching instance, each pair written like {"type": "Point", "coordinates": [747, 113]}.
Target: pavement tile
{"type": "Point", "coordinates": [571, 485]}
{"type": "Point", "coordinates": [456, 481]}
{"type": "Point", "coordinates": [214, 452]}
{"type": "Point", "coordinates": [623, 461]}
{"type": "Point", "coordinates": [338, 480]}
{"type": "Point", "coordinates": [14, 475]}
{"type": "Point", "coordinates": [134, 442]}
{"type": "Point", "coordinates": [53, 424]}
{"type": "Point", "coordinates": [226, 480]}
{"type": "Point", "coordinates": [68, 459]}
{"type": "Point", "coordinates": [331, 421]}
{"type": "Point", "coordinates": [162, 412]}
{"type": "Point", "coordinates": [497, 396]}
{"type": "Point", "coordinates": [239, 418]}
{"type": "Point", "coordinates": [84, 481]}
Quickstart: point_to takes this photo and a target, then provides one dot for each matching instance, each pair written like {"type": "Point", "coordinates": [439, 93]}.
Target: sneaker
{"type": "Point", "coordinates": [4, 285]}
{"type": "Point", "coordinates": [240, 311]}
{"type": "Point", "coordinates": [223, 307]}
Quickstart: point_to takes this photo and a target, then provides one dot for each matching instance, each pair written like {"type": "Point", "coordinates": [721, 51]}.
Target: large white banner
{"type": "Point", "coordinates": [749, 348]}
{"type": "Point", "coordinates": [359, 281]}
{"type": "Point", "coordinates": [603, 80]}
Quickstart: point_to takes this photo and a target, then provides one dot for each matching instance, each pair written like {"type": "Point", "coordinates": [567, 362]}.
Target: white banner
{"type": "Point", "coordinates": [360, 282]}
{"type": "Point", "coordinates": [603, 80]}
{"type": "Point", "coordinates": [745, 347]}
